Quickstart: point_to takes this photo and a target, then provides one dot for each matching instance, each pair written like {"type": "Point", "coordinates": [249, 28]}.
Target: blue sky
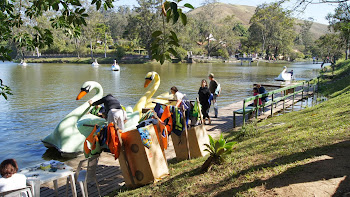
{"type": "Point", "coordinates": [316, 11]}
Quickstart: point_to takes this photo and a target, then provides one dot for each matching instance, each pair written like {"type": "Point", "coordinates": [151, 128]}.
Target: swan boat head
{"type": "Point", "coordinates": [150, 76]}
{"type": "Point", "coordinates": [69, 135]}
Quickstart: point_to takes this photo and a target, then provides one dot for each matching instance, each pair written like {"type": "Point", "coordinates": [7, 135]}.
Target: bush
{"type": "Point", "coordinates": [120, 52]}
{"type": "Point", "coordinates": [294, 55]}
{"type": "Point", "coordinates": [223, 53]}
{"type": "Point", "coordinates": [182, 53]}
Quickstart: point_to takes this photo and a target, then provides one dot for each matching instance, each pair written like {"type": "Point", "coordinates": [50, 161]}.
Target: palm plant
{"type": "Point", "coordinates": [218, 149]}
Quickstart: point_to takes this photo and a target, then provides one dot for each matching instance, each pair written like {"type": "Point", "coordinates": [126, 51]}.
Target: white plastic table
{"type": "Point", "coordinates": [36, 177]}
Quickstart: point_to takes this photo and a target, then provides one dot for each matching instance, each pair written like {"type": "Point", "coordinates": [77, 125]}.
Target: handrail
{"type": "Point", "coordinates": [276, 91]}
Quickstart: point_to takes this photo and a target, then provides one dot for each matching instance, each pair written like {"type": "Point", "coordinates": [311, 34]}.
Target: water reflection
{"type": "Point", "coordinates": [45, 93]}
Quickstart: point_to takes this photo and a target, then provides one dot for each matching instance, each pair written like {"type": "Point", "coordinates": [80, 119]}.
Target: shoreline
{"type": "Point", "coordinates": [133, 60]}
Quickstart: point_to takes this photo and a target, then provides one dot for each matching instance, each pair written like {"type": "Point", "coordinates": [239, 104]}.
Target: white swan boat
{"type": "Point", "coordinates": [95, 63]}
{"type": "Point", "coordinates": [284, 75]}
{"type": "Point", "coordinates": [115, 66]}
{"type": "Point", "coordinates": [23, 63]}
{"type": "Point", "coordinates": [69, 135]}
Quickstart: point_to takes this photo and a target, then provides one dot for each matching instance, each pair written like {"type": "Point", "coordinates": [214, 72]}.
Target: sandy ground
{"type": "Point", "coordinates": [325, 175]}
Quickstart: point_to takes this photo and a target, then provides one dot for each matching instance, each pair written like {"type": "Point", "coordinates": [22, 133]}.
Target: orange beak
{"type": "Point", "coordinates": [147, 82]}
{"type": "Point", "coordinates": [81, 95]}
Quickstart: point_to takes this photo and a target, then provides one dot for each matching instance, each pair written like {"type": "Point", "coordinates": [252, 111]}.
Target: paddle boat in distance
{"type": "Point", "coordinates": [23, 63]}
{"type": "Point", "coordinates": [115, 66]}
{"type": "Point", "coordinates": [95, 63]}
{"type": "Point", "coordinates": [285, 76]}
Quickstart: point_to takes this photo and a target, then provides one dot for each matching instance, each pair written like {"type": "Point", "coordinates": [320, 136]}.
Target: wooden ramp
{"type": "Point", "coordinates": [109, 173]}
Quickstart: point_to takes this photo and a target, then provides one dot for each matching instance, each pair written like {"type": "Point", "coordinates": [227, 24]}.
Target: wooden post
{"type": "Point", "coordinates": [293, 99]}
{"type": "Point", "coordinates": [302, 92]}
{"type": "Point", "coordinates": [184, 120]}
{"type": "Point", "coordinates": [243, 113]}
{"type": "Point", "coordinates": [284, 100]}
{"type": "Point", "coordinates": [272, 104]}
{"type": "Point", "coordinates": [302, 97]}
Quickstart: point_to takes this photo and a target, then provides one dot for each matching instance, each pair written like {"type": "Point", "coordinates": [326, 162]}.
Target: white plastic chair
{"type": "Point", "coordinates": [18, 192]}
{"type": "Point", "coordinates": [85, 176]}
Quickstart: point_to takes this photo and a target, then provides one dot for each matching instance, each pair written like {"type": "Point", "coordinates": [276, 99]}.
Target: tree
{"type": "Point", "coordinates": [340, 22]}
{"type": "Point", "coordinates": [329, 46]}
{"type": "Point", "coordinates": [146, 20]}
{"type": "Point", "coordinates": [272, 28]}
{"type": "Point", "coordinates": [305, 35]}
{"type": "Point", "coordinates": [70, 16]}
{"type": "Point", "coordinates": [103, 34]}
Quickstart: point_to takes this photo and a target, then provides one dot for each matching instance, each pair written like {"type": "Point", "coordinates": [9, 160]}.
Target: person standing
{"type": "Point", "coordinates": [215, 89]}
{"type": "Point", "coordinates": [204, 95]}
{"type": "Point", "coordinates": [113, 109]}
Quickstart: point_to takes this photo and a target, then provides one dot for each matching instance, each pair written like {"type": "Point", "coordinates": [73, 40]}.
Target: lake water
{"type": "Point", "coordinates": [44, 93]}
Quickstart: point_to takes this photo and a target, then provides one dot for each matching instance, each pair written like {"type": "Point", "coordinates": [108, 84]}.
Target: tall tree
{"type": "Point", "coordinates": [329, 46]}
{"type": "Point", "coordinates": [273, 28]}
{"type": "Point", "coordinates": [145, 21]}
{"type": "Point", "coordinates": [340, 22]}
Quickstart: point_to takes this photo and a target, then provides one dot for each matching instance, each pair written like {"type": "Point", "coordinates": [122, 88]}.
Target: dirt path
{"type": "Point", "coordinates": [325, 175]}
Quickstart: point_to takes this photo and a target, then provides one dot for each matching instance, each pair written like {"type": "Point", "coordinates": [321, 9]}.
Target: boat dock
{"type": "Point", "coordinates": [109, 174]}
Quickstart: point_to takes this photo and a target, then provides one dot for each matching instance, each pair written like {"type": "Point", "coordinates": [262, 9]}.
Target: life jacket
{"type": "Point", "coordinates": [92, 144]}
{"type": "Point", "coordinates": [167, 118]}
{"type": "Point", "coordinates": [95, 110]}
{"type": "Point", "coordinates": [178, 122]}
{"type": "Point", "coordinates": [113, 140]}
{"type": "Point", "coordinates": [162, 136]}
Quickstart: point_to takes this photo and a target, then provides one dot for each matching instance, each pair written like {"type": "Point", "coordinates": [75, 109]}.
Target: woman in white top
{"type": "Point", "coordinates": [10, 179]}
{"type": "Point", "coordinates": [177, 95]}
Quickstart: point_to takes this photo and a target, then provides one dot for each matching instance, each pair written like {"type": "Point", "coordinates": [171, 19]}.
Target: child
{"type": "Point", "coordinates": [256, 92]}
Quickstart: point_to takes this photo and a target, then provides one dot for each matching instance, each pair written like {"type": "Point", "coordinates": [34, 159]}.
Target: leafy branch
{"type": "Point", "coordinates": [164, 42]}
{"type": "Point", "coordinates": [4, 90]}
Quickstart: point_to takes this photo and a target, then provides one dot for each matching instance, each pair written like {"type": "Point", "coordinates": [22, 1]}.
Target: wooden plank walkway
{"type": "Point", "coordinates": [109, 173]}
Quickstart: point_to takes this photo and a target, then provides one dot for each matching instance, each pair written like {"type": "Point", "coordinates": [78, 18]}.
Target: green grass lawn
{"type": "Point", "coordinates": [265, 150]}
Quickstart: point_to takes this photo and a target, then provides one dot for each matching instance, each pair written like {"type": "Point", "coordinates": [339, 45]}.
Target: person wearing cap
{"type": "Point", "coordinates": [215, 89]}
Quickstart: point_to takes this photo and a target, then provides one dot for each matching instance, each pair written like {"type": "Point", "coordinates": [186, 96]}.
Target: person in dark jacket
{"type": "Point", "coordinates": [113, 110]}
{"type": "Point", "coordinates": [204, 94]}
{"type": "Point", "coordinates": [215, 89]}
{"type": "Point", "coordinates": [261, 90]}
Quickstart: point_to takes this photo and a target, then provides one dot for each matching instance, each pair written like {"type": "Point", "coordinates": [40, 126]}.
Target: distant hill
{"type": "Point", "coordinates": [242, 14]}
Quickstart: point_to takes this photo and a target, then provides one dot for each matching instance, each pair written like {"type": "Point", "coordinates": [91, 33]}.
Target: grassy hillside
{"type": "Point", "coordinates": [283, 151]}
{"type": "Point", "coordinates": [243, 13]}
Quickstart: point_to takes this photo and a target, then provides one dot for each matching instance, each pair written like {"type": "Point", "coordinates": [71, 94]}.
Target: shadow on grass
{"type": "Point", "coordinates": [335, 166]}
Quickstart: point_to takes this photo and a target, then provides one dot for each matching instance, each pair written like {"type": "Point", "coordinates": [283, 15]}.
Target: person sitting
{"type": "Point", "coordinates": [98, 110]}
{"type": "Point", "coordinates": [255, 92]}
{"type": "Point", "coordinates": [291, 73]}
{"type": "Point", "coordinates": [262, 90]}
{"type": "Point", "coordinates": [10, 179]}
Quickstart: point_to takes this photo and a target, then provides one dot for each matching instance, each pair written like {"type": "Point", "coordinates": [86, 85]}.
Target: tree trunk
{"type": "Point", "coordinates": [276, 52]}
{"type": "Point", "coordinates": [105, 45]}
{"type": "Point", "coordinates": [92, 54]}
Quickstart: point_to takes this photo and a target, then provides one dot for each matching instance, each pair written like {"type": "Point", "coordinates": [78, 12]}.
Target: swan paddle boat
{"type": "Point", "coordinates": [23, 63]}
{"type": "Point", "coordinates": [95, 63]}
{"type": "Point", "coordinates": [69, 135]}
{"type": "Point", "coordinates": [146, 101]}
{"type": "Point", "coordinates": [115, 66]}
{"type": "Point", "coordinates": [284, 75]}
